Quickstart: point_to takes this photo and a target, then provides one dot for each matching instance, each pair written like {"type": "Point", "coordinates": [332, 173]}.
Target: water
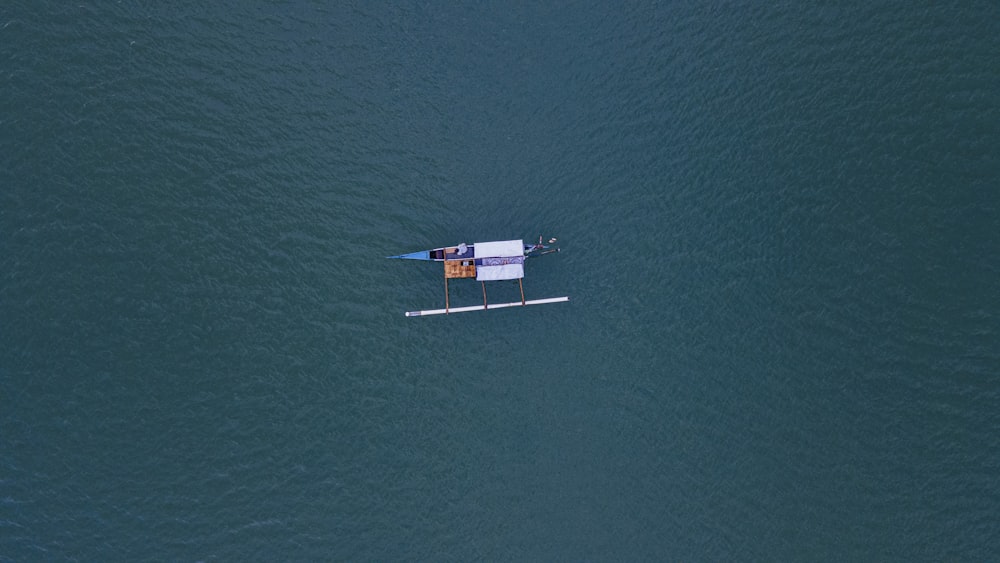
{"type": "Point", "coordinates": [779, 230]}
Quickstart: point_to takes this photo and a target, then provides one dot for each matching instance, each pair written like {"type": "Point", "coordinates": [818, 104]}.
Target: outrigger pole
{"type": "Point", "coordinates": [484, 308]}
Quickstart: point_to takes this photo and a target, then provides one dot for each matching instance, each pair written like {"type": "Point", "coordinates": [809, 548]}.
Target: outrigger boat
{"type": "Point", "coordinates": [485, 261]}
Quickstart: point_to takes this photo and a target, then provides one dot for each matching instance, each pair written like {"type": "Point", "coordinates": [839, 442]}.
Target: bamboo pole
{"type": "Point", "coordinates": [485, 306]}
{"type": "Point", "coordinates": [521, 285]}
{"type": "Point", "coordinates": [446, 293]}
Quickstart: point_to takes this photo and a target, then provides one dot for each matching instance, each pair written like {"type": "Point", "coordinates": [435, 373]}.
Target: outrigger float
{"type": "Point", "coordinates": [485, 261]}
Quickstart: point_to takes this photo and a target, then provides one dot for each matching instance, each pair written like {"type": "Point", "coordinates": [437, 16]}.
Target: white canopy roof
{"type": "Point", "coordinates": [501, 260]}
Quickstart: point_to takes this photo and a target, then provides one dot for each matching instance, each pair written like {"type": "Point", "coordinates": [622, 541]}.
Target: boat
{"type": "Point", "coordinates": [463, 251]}
{"type": "Point", "coordinates": [484, 261]}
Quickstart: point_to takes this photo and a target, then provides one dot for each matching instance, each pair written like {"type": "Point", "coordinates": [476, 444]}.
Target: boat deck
{"type": "Point", "coordinates": [451, 253]}
{"type": "Point", "coordinates": [460, 268]}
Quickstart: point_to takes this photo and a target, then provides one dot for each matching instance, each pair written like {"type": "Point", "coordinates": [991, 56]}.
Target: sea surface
{"type": "Point", "coordinates": [779, 225]}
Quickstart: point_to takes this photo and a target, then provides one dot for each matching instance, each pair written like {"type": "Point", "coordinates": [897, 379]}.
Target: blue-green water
{"type": "Point", "coordinates": [779, 227]}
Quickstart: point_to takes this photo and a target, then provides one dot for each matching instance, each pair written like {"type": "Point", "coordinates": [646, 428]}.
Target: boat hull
{"type": "Point", "coordinates": [422, 255]}
{"type": "Point", "coordinates": [449, 253]}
